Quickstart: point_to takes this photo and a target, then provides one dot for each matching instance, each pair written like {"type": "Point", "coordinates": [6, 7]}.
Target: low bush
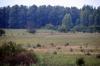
{"type": "Point", "coordinates": [80, 61]}
{"type": "Point", "coordinates": [2, 32]}
{"type": "Point", "coordinates": [52, 44]}
{"type": "Point", "coordinates": [88, 53]}
{"type": "Point", "coordinates": [55, 52]}
{"type": "Point", "coordinates": [71, 50]}
{"type": "Point", "coordinates": [67, 44]}
{"type": "Point", "coordinates": [98, 56]}
{"type": "Point", "coordinates": [13, 55]}
{"type": "Point", "coordinates": [59, 48]}
{"type": "Point", "coordinates": [82, 50]}
{"type": "Point", "coordinates": [38, 45]}
{"type": "Point", "coordinates": [32, 31]}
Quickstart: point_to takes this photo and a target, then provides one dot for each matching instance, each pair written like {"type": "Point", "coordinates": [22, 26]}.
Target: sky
{"type": "Point", "coordinates": [65, 3]}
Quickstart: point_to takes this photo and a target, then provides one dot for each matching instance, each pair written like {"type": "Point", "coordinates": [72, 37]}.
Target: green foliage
{"type": "Point", "coordinates": [75, 29]}
{"type": "Point", "coordinates": [13, 54]}
{"type": "Point", "coordinates": [67, 22]}
{"type": "Point", "coordinates": [62, 29]}
{"type": "Point", "coordinates": [49, 26]}
{"type": "Point", "coordinates": [50, 17]}
{"type": "Point", "coordinates": [80, 28]}
{"type": "Point", "coordinates": [10, 48]}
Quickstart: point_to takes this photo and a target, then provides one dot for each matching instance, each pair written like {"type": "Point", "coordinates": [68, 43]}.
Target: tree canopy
{"type": "Point", "coordinates": [88, 18]}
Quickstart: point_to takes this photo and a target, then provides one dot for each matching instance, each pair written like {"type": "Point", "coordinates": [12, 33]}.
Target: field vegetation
{"type": "Point", "coordinates": [57, 49]}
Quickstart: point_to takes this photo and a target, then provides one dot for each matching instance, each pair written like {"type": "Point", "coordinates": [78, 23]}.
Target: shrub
{"type": "Point", "coordinates": [82, 50]}
{"type": "Point", "coordinates": [67, 44]}
{"type": "Point", "coordinates": [38, 45]}
{"type": "Point", "coordinates": [80, 61]}
{"type": "Point", "coordinates": [71, 50]}
{"type": "Point", "coordinates": [49, 26]}
{"type": "Point", "coordinates": [80, 47]}
{"type": "Point", "coordinates": [52, 44]}
{"type": "Point", "coordinates": [61, 29]}
{"type": "Point", "coordinates": [55, 52]}
{"type": "Point", "coordinates": [98, 56]}
{"type": "Point", "coordinates": [59, 48]}
{"type": "Point", "coordinates": [26, 58]}
{"type": "Point", "coordinates": [2, 32]}
{"type": "Point", "coordinates": [32, 31]}
{"type": "Point", "coordinates": [13, 54]}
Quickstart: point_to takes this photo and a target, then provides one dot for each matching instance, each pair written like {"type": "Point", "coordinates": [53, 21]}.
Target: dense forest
{"type": "Point", "coordinates": [86, 19]}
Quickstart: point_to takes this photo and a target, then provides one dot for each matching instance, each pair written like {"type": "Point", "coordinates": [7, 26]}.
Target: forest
{"type": "Point", "coordinates": [64, 19]}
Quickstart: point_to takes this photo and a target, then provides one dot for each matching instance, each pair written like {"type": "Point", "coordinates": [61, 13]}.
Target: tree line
{"type": "Point", "coordinates": [64, 19]}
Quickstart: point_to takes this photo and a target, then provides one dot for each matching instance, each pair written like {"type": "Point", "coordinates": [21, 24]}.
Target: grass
{"type": "Point", "coordinates": [63, 59]}
{"type": "Point", "coordinates": [46, 37]}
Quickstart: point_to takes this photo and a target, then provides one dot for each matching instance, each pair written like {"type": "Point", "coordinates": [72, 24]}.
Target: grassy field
{"type": "Point", "coordinates": [53, 50]}
{"type": "Point", "coordinates": [46, 37]}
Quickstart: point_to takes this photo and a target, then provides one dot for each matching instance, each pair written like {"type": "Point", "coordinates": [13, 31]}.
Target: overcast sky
{"type": "Point", "coordinates": [65, 3]}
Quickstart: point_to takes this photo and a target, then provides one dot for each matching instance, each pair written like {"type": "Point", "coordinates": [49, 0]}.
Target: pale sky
{"type": "Point", "coordinates": [65, 3]}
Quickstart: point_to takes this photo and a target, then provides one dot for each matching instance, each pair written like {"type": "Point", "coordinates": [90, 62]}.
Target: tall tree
{"type": "Point", "coordinates": [22, 17]}
{"type": "Point", "coordinates": [13, 17]}
{"type": "Point", "coordinates": [4, 16]}
{"type": "Point", "coordinates": [97, 20]}
{"type": "Point", "coordinates": [67, 22]}
{"type": "Point", "coordinates": [85, 19]}
{"type": "Point", "coordinates": [31, 17]}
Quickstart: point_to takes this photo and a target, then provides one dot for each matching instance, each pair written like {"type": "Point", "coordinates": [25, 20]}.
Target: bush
{"type": "Point", "coordinates": [49, 26]}
{"type": "Point", "coordinates": [82, 50]}
{"type": "Point", "coordinates": [59, 48]}
{"type": "Point", "coordinates": [55, 52]}
{"type": "Point", "coordinates": [71, 50]}
{"type": "Point", "coordinates": [80, 61]}
{"type": "Point", "coordinates": [32, 31]}
{"type": "Point", "coordinates": [13, 54]}
{"type": "Point", "coordinates": [98, 56]}
{"type": "Point", "coordinates": [38, 45]}
{"type": "Point", "coordinates": [80, 47]}
{"type": "Point", "coordinates": [52, 44]}
{"type": "Point", "coordinates": [26, 58]}
{"type": "Point", "coordinates": [67, 44]}
{"type": "Point", "coordinates": [2, 32]}
{"type": "Point", "coordinates": [61, 29]}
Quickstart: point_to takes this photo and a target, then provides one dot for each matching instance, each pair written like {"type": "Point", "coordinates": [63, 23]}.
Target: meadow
{"type": "Point", "coordinates": [58, 49]}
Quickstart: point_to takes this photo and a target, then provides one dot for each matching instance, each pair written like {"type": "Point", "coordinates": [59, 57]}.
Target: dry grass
{"type": "Point", "coordinates": [45, 38]}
